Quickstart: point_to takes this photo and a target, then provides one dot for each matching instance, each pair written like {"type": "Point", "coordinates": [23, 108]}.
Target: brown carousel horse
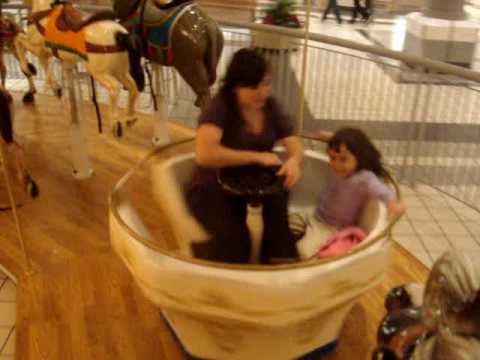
{"type": "Point", "coordinates": [176, 33]}
{"type": "Point", "coordinates": [9, 30]}
{"type": "Point", "coordinates": [11, 148]}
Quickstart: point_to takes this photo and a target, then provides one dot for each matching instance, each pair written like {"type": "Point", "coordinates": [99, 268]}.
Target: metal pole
{"type": "Point", "coordinates": [301, 105]}
{"type": "Point", "coordinates": [81, 165]}
{"type": "Point", "coordinates": [13, 204]}
{"type": "Point", "coordinates": [160, 131]}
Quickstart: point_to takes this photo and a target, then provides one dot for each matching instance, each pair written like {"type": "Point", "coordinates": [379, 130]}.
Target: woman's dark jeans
{"type": "Point", "coordinates": [224, 217]}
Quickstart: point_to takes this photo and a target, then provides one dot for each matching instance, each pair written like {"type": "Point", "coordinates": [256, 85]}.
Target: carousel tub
{"type": "Point", "coordinates": [225, 311]}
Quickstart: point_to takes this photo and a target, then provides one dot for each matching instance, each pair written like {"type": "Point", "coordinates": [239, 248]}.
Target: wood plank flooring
{"type": "Point", "coordinates": [79, 301]}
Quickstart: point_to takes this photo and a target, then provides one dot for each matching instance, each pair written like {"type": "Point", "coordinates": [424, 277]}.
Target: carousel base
{"type": "Point", "coordinates": [319, 352]}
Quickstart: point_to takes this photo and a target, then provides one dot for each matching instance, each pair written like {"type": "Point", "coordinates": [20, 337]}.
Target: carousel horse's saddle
{"type": "Point", "coordinates": [159, 29]}
{"type": "Point", "coordinates": [71, 19]}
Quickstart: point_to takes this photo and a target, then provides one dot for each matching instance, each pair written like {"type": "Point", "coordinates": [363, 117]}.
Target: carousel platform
{"type": "Point", "coordinates": [75, 299]}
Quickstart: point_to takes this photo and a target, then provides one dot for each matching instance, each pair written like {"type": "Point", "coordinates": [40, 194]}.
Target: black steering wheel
{"type": "Point", "coordinates": [251, 181]}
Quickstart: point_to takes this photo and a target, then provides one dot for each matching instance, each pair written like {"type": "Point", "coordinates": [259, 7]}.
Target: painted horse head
{"type": "Point", "coordinates": [449, 325]}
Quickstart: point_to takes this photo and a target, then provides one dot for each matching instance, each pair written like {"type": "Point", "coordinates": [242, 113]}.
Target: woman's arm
{"type": "Point", "coordinates": [292, 168]}
{"type": "Point", "coordinates": [323, 135]}
{"type": "Point", "coordinates": [211, 153]}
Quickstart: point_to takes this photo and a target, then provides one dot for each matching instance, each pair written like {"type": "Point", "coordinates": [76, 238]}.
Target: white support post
{"type": "Point", "coordinates": [81, 164]}
{"type": "Point", "coordinates": [255, 228]}
{"type": "Point", "coordinates": [160, 130]}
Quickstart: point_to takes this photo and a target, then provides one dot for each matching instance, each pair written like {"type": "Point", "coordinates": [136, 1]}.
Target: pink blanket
{"type": "Point", "coordinates": [341, 242]}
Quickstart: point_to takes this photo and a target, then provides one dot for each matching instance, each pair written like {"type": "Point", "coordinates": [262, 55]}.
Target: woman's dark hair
{"type": "Point", "coordinates": [358, 143]}
{"type": "Point", "coordinates": [6, 129]}
{"type": "Point", "coordinates": [246, 69]}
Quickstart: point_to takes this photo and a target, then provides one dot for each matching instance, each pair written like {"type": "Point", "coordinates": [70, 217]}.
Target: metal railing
{"type": "Point", "coordinates": [421, 113]}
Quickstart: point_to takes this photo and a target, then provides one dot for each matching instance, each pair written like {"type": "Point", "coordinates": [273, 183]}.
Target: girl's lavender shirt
{"type": "Point", "coordinates": [341, 203]}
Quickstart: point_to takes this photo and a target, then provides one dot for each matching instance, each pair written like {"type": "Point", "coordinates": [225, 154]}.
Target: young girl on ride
{"type": "Point", "coordinates": [357, 177]}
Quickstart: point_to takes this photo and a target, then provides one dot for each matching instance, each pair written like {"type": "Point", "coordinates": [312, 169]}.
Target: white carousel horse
{"type": "Point", "coordinates": [101, 44]}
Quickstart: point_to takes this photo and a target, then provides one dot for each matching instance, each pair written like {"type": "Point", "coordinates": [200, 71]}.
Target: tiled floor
{"type": "Point", "coordinates": [433, 224]}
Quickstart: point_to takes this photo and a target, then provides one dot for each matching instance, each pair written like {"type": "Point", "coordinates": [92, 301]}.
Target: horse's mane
{"type": "Point", "coordinates": [449, 307]}
{"type": "Point", "coordinates": [6, 129]}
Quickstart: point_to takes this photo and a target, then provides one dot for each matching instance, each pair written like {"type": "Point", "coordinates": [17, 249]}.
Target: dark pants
{"type": "Point", "coordinates": [224, 217]}
{"type": "Point", "coordinates": [332, 5]}
{"type": "Point", "coordinates": [358, 8]}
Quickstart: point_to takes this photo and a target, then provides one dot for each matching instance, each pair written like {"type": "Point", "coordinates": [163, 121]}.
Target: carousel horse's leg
{"type": "Point", "coordinates": [23, 176]}
{"type": "Point", "coordinates": [56, 88]}
{"type": "Point", "coordinates": [33, 41]}
{"type": "Point", "coordinates": [3, 70]}
{"type": "Point", "coordinates": [21, 44]}
{"type": "Point", "coordinates": [195, 74]}
{"type": "Point", "coordinates": [113, 88]}
{"type": "Point", "coordinates": [32, 71]}
{"type": "Point", "coordinates": [127, 81]}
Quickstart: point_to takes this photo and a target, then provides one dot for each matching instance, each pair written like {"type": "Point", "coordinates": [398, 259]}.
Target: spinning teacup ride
{"type": "Point", "coordinates": [238, 311]}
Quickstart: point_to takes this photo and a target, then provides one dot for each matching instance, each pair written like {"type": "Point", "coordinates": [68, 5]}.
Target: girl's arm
{"type": "Point", "coordinates": [323, 135]}
{"type": "Point", "coordinates": [292, 168]}
{"type": "Point", "coordinates": [211, 153]}
{"type": "Point", "coordinates": [378, 189]}
{"type": "Point", "coordinates": [396, 207]}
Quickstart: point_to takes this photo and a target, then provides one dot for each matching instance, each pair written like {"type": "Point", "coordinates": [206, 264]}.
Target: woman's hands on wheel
{"type": "Point", "coordinates": [292, 171]}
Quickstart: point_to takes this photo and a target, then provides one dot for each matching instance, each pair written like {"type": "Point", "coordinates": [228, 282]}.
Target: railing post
{"type": "Point", "coordinates": [81, 164]}
{"type": "Point", "coordinates": [301, 104]}
{"type": "Point", "coordinates": [160, 132]}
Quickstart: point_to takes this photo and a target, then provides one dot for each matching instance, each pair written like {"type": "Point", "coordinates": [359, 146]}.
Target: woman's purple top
{"type": "Point", "coordinates": [223, 113]}
{"type": "Point", "coordinates": [341, 203]}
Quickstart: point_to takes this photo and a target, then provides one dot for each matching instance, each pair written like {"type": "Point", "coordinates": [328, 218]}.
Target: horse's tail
{"type": "Point", "coordinates": [6, 128]}
{"type": "Point", "coordinates": [212, 57]}
{"type": "Point", "coordinates": [134, 47]}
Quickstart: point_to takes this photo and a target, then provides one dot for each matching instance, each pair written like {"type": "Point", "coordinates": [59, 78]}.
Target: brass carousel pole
{"type": "Point", "coordinates": [301, 105]}
{"type": "Point", "coordinates": [13, 204]}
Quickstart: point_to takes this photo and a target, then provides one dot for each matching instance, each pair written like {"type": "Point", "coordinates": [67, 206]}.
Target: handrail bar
{"type": "Point", "coordinates": [376, 50]}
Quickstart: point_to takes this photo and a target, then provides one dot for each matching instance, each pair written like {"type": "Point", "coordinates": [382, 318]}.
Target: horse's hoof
{"type": "Point", "coordinates": [58, 93]}
{"type": "Point", "coordinates": [28, 98]}
{"type": "Point", "coordinates": [131, 122]}
{"type": "Point", "coordinates": [32, 189]}
{"type": "Point", "coordinates": [117, 130]}
{"type": "Point", "coordinates": [32, 69]}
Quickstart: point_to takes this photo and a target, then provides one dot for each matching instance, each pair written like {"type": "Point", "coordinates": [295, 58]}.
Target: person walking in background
{"type": "Point", "coordinates": [365, 11]}
{"type": "Point", "coordinates": [332, 5]}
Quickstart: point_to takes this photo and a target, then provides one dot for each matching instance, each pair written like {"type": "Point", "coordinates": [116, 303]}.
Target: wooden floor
{"type": "Point", "coordinates": [79, 301]}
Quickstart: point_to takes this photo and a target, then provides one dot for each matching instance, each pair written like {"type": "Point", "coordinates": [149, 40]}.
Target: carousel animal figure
{"type": "Point", "coordinates": [11, 148]}
{"type": "Point", "coordinates": [9, 30]}
{"type": "Point", "coordinates": [105, 48]}
{"type": "Point", "coordinates": [176, 33]}
{"type": "Point", "coordinates": [443, 323]}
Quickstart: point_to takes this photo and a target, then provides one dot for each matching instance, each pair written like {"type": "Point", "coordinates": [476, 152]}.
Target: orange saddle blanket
{"type": "Point", "coordinates": [69, 41]}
